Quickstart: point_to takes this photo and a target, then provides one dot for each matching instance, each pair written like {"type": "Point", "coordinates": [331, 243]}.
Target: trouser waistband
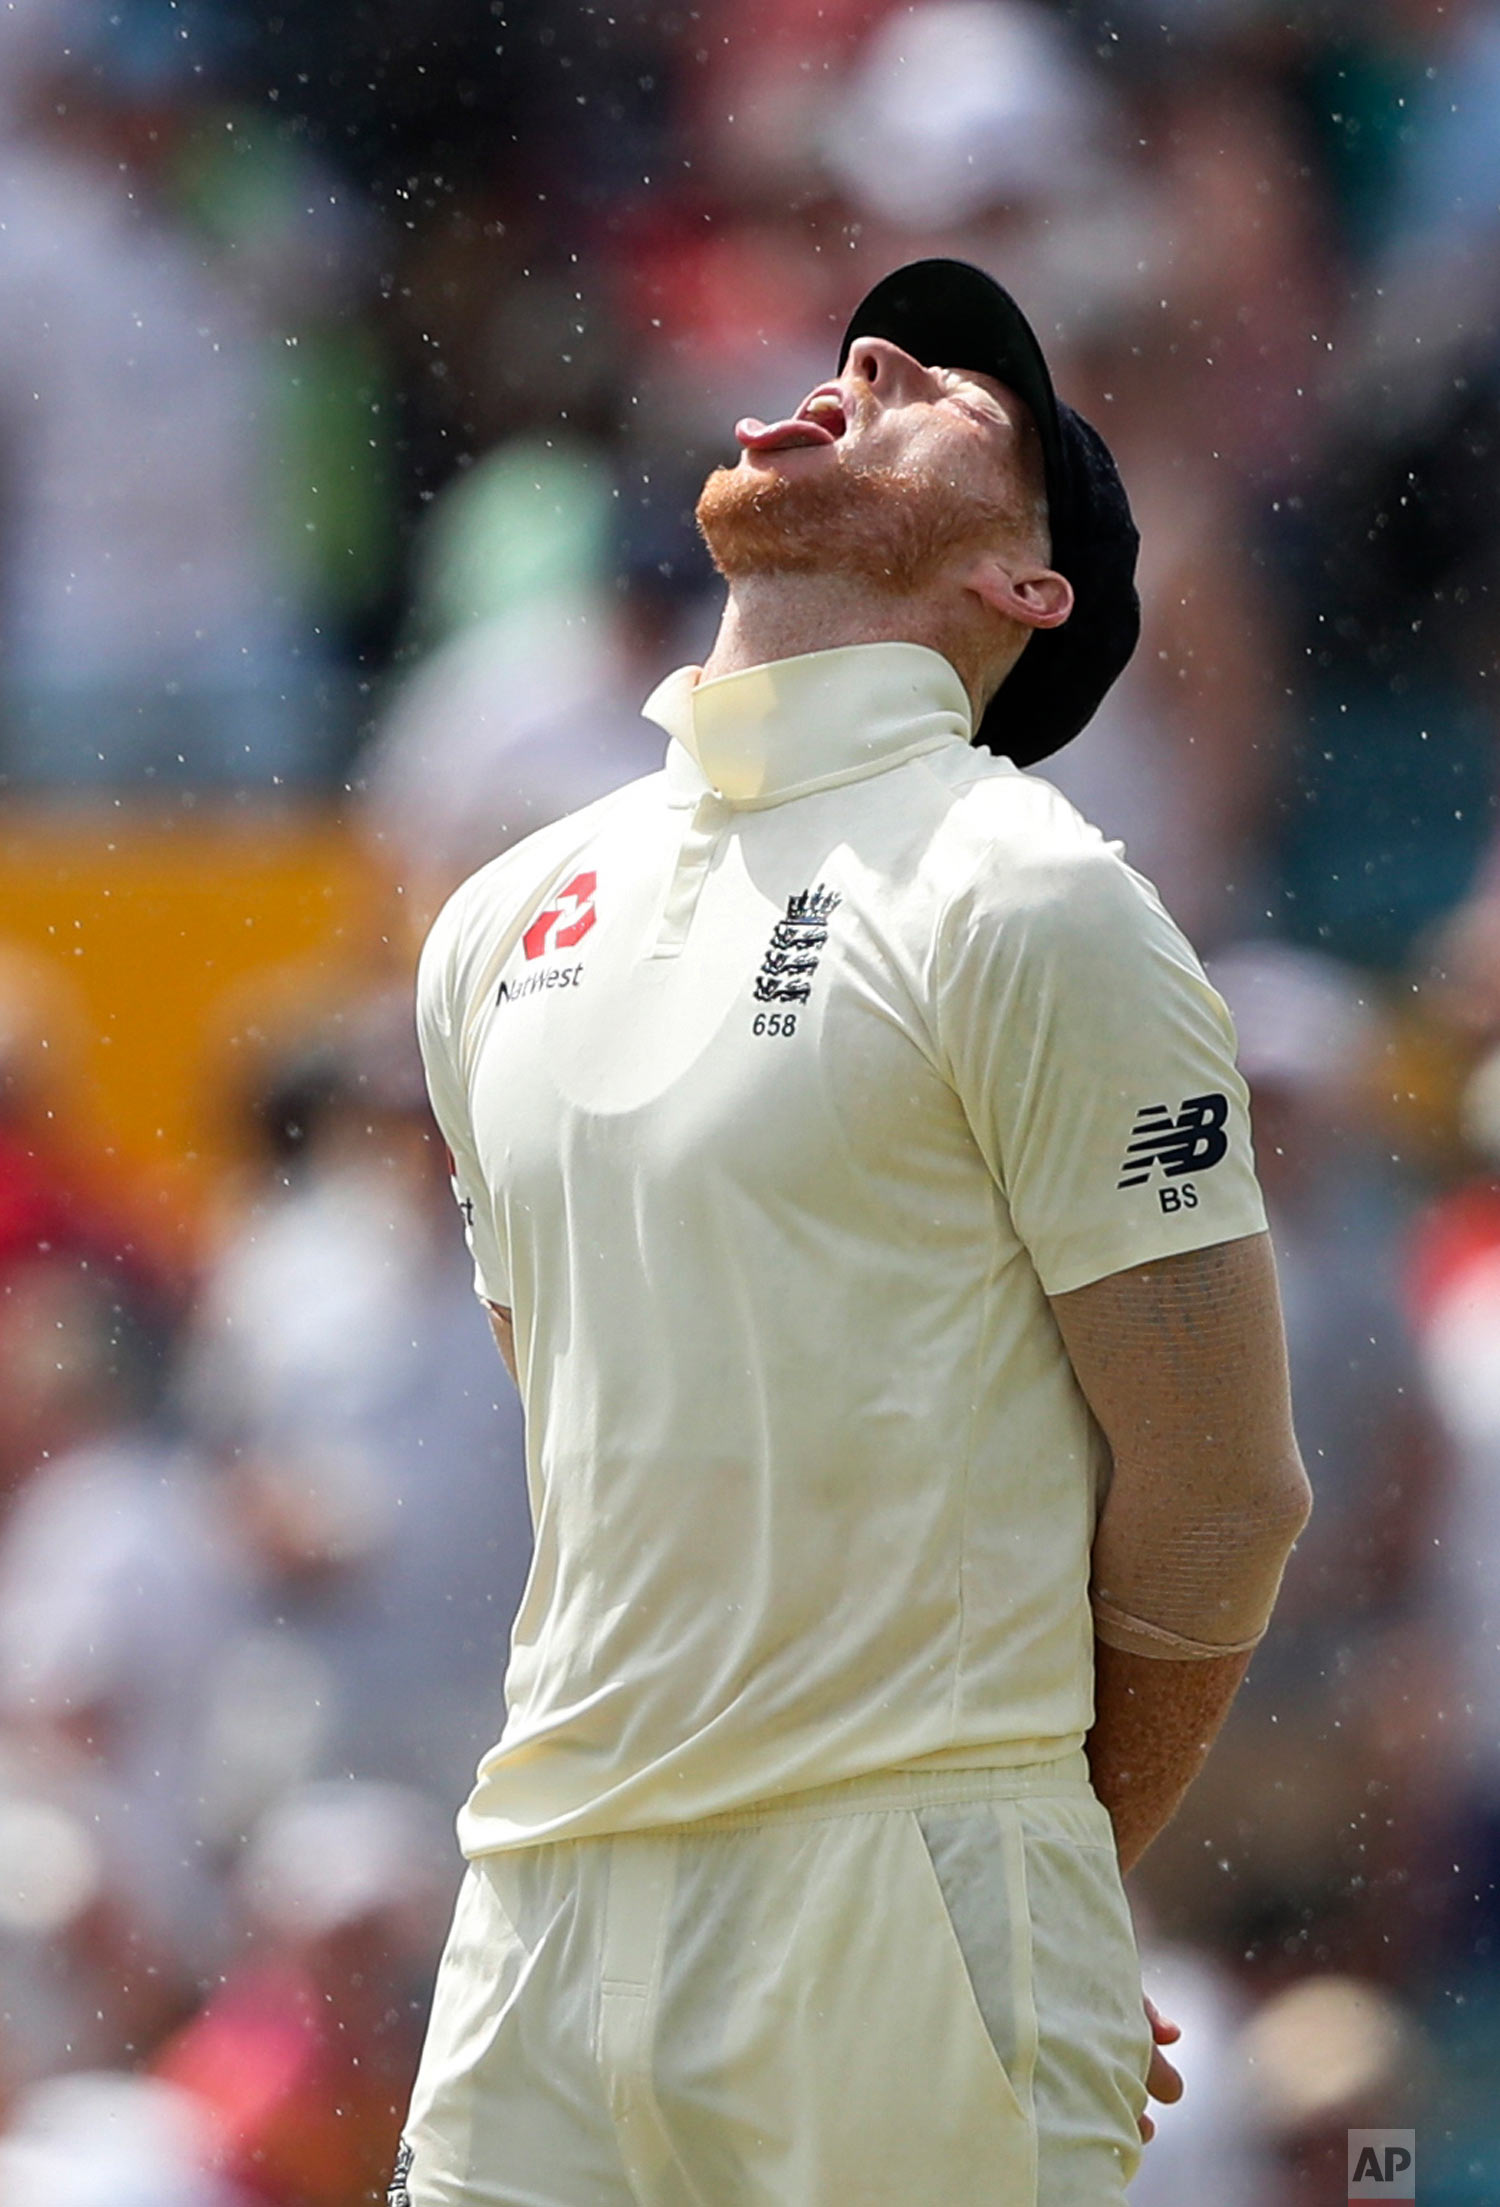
{"type": "Point", "coordinates": [909, 1789]}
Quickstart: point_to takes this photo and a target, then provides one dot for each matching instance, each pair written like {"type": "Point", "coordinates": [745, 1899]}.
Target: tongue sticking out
{"type": "Point", "coordinates": [781, 436]}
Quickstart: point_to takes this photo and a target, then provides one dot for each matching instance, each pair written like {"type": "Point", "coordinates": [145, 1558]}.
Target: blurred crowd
{"type": "Point", "coordinates": [359, 366]}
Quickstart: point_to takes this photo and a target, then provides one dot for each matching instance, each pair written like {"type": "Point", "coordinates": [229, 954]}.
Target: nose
{"type": "Point", "coordinates": [894, 374]}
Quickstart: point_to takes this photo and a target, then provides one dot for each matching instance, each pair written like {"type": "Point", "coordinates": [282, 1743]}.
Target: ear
{"type": "Point", "coordinates": [1020, 590]}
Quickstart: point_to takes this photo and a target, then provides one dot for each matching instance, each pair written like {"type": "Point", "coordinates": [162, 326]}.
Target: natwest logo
{"type": "Point", "coordinates": [574, 907]}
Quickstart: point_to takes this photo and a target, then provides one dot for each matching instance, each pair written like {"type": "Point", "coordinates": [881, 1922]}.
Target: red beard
{"type": "Point", "coordinates": [892, 531]}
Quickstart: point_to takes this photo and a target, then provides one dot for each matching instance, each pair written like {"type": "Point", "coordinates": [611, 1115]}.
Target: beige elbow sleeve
{"type": "Point", "coordinates": [1190, 1568]}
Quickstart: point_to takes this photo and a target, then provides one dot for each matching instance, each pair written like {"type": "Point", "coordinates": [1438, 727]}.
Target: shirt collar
{"type": "Point", "coordinates": [796, 725]}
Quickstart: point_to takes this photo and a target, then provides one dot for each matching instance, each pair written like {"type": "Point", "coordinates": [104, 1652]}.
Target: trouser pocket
{"type": "Point", "coordinates": [1031, 1891]}
{"type": "Point", "coordinates": [978, 1858]}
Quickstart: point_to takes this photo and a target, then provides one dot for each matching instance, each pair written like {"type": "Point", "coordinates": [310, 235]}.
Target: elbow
{"type": "Point", "coordinates": [1268, 1519]}
{"type": "Point", "coordinates": [1296, 1498]}
{"type": "Point", "coordinates": [1265, 1536]}
{"type": "Point", "coordinates": [1206, 1583]}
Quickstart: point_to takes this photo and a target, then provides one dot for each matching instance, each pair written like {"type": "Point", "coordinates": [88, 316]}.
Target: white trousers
{"type": "Point", "coordinates": [910, 1991]}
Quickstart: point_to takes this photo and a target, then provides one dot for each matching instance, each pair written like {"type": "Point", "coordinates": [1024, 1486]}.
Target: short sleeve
{"type": "Point", "coordinates": [439, 1029]}
{"type": "Point", "coordinates": [1096, 1065]}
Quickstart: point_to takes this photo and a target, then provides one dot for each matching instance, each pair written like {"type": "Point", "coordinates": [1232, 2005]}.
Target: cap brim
{"type": "Point", "coordinates": [949, 314]}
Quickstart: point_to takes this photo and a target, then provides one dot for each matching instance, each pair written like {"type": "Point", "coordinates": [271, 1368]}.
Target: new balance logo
{"type": "Point", "coordinates": [791, 959]}
{"type": "Point", "coordinates": [1193, 1141]}
{"type": "Point", "coordinates": [575, 907]}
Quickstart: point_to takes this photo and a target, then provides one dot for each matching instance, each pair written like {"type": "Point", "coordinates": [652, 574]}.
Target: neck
{"type": "Point", "coordinates": [768, 617]}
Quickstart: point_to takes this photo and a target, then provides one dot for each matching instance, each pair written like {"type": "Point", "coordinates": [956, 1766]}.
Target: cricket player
{"type": "Point", "coordinates": [859, 1180]}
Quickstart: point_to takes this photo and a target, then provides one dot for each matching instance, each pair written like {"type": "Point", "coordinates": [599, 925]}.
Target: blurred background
{"type": "Point", "coordinates": [359, 365]}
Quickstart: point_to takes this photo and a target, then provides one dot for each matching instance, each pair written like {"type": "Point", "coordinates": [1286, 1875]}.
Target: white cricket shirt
{"type": "Point", "coordinates": [784, 1087]}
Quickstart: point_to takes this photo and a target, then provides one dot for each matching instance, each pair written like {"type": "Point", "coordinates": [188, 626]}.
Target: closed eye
{"type": "Point", "coordinates": [988, 417]}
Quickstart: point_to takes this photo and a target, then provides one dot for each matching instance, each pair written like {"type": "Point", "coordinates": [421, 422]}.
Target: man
{"type": "Point", "coordinates": [859, 1180]}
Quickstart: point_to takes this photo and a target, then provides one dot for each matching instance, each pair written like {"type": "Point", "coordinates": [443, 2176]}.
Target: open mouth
{"type": "Point", "coordinates": [820, 419]}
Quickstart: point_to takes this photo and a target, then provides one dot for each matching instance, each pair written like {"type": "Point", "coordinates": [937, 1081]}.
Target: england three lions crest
{"type": "Point", "coordinates": [797, 940]}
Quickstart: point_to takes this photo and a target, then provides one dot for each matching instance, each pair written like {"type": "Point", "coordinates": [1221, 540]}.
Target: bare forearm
{"type": "Point", "coordinates": [1154, 1722]}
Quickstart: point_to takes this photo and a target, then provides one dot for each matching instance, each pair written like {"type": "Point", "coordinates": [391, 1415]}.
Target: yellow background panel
{"type": "Point", "coordinates": [169, 948]}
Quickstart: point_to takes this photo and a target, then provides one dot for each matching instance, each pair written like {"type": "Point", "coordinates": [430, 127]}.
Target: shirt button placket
{"type": "Point", "coordinates": [701, 838]}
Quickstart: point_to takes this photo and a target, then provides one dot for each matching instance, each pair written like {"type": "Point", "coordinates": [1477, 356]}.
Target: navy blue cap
{"type": "Point", "coordinates": [949, 314]}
